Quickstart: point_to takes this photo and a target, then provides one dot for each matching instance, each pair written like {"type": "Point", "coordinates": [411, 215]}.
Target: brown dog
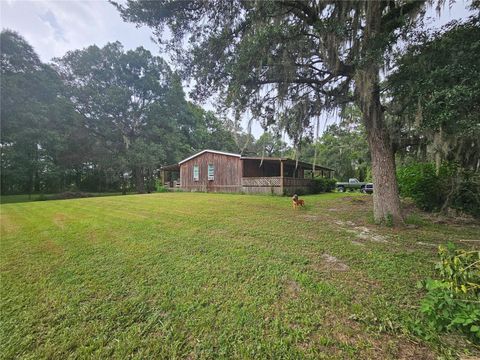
{"type": "Point", "coordinates": [296, 202]}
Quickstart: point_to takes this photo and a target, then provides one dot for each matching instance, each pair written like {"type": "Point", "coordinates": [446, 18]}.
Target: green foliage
{"type": "Point", "coordinates": [159, 187]}
{"type": "Point", "coordinates": [451, 187]}
{"type": "Point", "coordinates": [420, 182]}
{"type": "Point", "coordinates": [460, 269]}
{"type": "Point", "coordinates": [453, 301]}
{"type": "Point", "coordinates": [284, 62]}
{"type": "Point", "coordinates": [36, 121]}
{"type": "Point", "coordinates": [322, 185]}
{"type": "Point", "coordinates": [270, 144]}
{"type": "Point", "coordinates": [97, 120]}
{"type": "Point", "coordinates": [342, 147]}
{"type": "Point", "coordinates": [388, 220]}
{"type": "Point", "coordinates": [414, 219]}
{"type": "Point", "coordinates": [435, 93]}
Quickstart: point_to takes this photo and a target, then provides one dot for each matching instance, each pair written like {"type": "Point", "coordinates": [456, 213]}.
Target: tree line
{"type": "Point", "coordinates": [101, 120]}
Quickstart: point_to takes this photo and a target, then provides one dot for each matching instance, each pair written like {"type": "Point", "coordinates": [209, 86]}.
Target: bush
{"type": "Point", "coordinates": [420, 182]}
{"type": "Point", "coordinates": [159, 187]}
{"type": "Point", "coordinates": [452, 187]}
{"type": "Point", "coordinates": [69, 195]}
{"type": "Point", "coordinates": [452, 302]}
{"type": "Point", "coordinates": [467, 195]}
{"type": "Point", "coordinates": [321, 184]}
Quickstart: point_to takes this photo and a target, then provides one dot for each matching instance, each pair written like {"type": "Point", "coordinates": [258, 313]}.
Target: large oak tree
{"type": "Point", "coordinates": [129, 100]}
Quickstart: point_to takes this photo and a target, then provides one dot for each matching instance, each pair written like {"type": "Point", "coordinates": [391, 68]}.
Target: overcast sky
{"type": "Point", "coordinates": [55, 27]}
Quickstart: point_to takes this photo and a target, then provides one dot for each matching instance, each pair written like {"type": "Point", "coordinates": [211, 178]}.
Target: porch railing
{"type": "Point", "coordinates": [261, 181]}
{"type": "Point", "coordinates": [288, 182]}
{"type": "Point", "coordinates": [275, 181]}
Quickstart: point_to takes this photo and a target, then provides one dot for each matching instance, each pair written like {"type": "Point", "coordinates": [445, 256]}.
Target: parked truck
{"type": "Point", "coordinates": [352, 184]}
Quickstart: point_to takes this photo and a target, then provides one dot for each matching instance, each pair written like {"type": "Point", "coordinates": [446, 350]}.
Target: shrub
{"type": "Point", "coordinates": [467, 195]}
{"type": "Point", "coordinates": [69, 195]}
{"type": "Point", "coordinates": [420, 182]}
{"type": "Point", "coordinates": [321, 184]}
{"type": "Point", "coordinates": [159, 187]}
{"type": "Point", "coordinates": [452, 302]}
{"type": "Point", "coordinates": [452, 187]}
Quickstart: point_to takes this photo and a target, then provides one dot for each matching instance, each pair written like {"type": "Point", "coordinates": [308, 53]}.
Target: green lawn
{"type": "Point", "coordinates": [9, 199]}
{"type": "Point", "coordinates": [181, 275]}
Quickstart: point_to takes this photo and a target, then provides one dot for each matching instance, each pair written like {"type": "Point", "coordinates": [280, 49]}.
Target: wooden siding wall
{"type": "Point", "coordinates": [227, 174]}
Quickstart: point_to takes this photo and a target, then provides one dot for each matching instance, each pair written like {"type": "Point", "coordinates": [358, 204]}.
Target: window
{"type": "Point", "coordinates": [195, 173]}
{"type": "Point", "coordinates": [211, 171]}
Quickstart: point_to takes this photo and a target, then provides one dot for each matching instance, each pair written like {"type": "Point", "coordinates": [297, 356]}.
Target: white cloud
{"type": "Point", "coordinates": [55, 27]}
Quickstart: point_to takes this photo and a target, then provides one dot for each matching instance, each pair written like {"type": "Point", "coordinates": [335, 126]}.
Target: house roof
{"type": "Point", "coordinates": [302, 164]}
{"type": "Point", "coordinates": [209, 151]}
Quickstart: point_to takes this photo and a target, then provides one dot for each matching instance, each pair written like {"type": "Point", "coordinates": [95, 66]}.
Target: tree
{"type": "Point", "coordinates": [286, 61]}
{"type": "Point", "coordinates": [270, 144]}
{"type": "Point", "coordinates": [130, 101]}
{"type": "Point", "coordinates": [342, 146]}
{"type": "Point", "coordinates": [209, 132]}
{"type": "Point", "coordinates": [35, 118]}
{"type": "Point", "coordinates": [435, 96]}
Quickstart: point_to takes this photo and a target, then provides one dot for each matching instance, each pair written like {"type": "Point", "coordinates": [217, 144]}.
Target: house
{"type": "Point", "coordinates": [218, 171]}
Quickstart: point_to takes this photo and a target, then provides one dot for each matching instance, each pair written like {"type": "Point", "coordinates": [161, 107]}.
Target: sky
{"type": "Point", "coordinates": [55, 27]}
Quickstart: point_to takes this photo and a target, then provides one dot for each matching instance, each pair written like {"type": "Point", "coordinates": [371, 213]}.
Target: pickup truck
{"type": "Point", "coordinates": [352, 184]}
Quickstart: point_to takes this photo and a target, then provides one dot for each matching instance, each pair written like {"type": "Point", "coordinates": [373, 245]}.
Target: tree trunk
{"type": "Point", "coordinates": [386, 201]}
{"type": "Point", "coordinates": [139, 180]}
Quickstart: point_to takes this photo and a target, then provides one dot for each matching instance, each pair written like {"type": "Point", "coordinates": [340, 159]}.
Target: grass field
{"type": "Point", "coordinates": [9, 199]}
{"type": "Point", "coordinates": [180, 275]}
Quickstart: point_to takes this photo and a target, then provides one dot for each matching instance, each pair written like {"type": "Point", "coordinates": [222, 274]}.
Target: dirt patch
{"type": "Point", "coordinates": [358, 243]}
{"type": "Point", "coordinates": [379, 238]}
{"type": "Point", "coordinates": [357, 201]}
{"type": "Point", "coordinates": [426, 244]}
{"type": "Point", "coordinates": [7, 224]}
{"type": "Point", "coordinates": [59, 220]}
{"type": "Point", "coordinates": [451, 218]}
{"type": "Point", "coordinates": [51, 247]}
{"type": "Point", "coordinates": [362, 232]}
{"type": "Point", "coordinates": [332, 263]}
{"type": "Point", "coordinates": [292, 289]}
{"type": "Point", "coordinates": [344, 223]}
{"type": "Point", "coordinates": [313, 217]}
